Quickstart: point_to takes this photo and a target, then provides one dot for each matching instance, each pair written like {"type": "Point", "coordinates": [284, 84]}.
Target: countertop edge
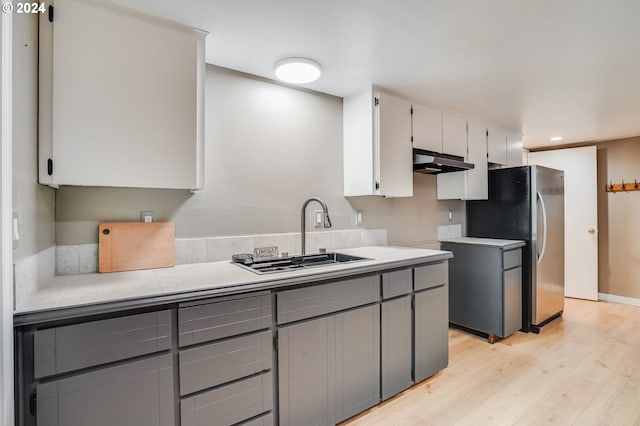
{"type": "Point", "coordinates": [76, 311]}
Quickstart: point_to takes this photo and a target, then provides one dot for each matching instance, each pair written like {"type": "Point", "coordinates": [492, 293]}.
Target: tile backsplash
{"type": "Point", "coordinates": [83, 258]}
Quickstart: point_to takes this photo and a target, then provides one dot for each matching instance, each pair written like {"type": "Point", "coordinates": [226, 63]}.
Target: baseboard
{"type": "Point", "coordinates": [619, 299]}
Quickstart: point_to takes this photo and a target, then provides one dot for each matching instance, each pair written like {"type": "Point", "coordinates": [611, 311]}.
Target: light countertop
{"type": "Point", "coordinates": [67, 296]}
{"type": "Point", "coordinates": [493, 242]}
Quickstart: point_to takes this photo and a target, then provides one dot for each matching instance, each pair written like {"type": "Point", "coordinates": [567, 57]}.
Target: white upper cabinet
{"type": "Point", "coordinates": [378, 158]}
{"type": "Point", "coordinates": [470, 184]}
{"type": "Point", "coordinates": [497, 145]}
{"type": "Point", "coordinates": [514, 148]}
{"type": "Point", "coordinates": [454, 134]}
{"type": "Point", "coordinates": [426, 128]}
{"type": "Point", "coordinates": [121, 99]}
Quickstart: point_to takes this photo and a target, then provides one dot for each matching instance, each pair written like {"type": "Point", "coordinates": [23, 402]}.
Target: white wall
{"type": "Point", "coordinates": [6, 281]}
{"type": "Point", "coordinates": [268, 148]}
{"type": "Point", "coordinates": [34, 203]}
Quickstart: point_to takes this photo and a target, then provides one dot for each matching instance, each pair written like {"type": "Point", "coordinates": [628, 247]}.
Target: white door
{"type": "Point", "coordinates": [580, 217]}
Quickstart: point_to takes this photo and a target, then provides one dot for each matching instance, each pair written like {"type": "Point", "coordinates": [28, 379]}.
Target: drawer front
{"type": "Point", "coordinates": [396, 283]}
{"type": "Point", "coordinates": [131, 394]}
{"type": "Point", "coordinates": [431, 275]}
{"type": "Point", "coordinates": [211, 365]}
{"type": "Point", "coordinates": [62, 349]}
{"type": "Point", "coordinates": [229, 404]}
{"type": "Point", "coordinates": [308, 302]}
{"type": "Point", "coordinates": [266, 420]}
{"type": "Point", "coordinates": [511, 258]}
{"type": "Point", "coordinates": [211, 321]}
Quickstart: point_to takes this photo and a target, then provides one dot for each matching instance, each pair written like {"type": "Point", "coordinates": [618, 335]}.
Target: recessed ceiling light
{"type": "Point", "coordinates": [555, 138]}
{"type": "Point", "coordinates": [297, 70]}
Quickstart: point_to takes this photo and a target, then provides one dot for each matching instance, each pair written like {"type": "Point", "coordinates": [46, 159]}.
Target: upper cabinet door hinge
{"type": "Point", "coordinates": [376, 101]}
{"type": "Point", "coordinates": [50, 167]}
{"type": "Point", "coordinates": [50, 13]}
{"type": "Point", "coordinates": [377, 185]}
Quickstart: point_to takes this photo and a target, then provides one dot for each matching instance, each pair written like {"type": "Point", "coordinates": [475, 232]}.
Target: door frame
{"type": "Point", "coordinates": [6, 233]}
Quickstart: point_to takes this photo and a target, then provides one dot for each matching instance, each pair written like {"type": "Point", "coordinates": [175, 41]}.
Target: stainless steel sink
{"type": "Point", "coordinates": [283, 264]}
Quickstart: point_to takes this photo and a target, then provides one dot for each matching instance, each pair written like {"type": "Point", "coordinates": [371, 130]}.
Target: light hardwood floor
{"type": "Point", "coordinates": [583, 369]}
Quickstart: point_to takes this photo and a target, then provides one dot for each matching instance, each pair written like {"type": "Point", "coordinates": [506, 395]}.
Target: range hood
{"type": "Point", "coordinates": [432, 163]}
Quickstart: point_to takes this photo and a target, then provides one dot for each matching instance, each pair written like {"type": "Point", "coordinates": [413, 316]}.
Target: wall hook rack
{"type": "Point", "coordinates": [623, 186]}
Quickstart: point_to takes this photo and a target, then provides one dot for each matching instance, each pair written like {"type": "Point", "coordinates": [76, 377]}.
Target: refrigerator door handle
{"type": "Point", "coordinates": [544, 227]}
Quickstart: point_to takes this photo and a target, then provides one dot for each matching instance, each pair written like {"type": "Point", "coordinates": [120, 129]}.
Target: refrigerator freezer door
{"type": "Point", "coordinates": [548, 253]}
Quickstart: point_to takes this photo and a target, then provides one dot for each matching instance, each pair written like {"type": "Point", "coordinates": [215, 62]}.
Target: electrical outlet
{"type": "Point", "coordinates": [146, 216]}
{"type": "Point", "coordinates": [318, 218]}
{"type": "Point", "coordinates": [16, 233]}
{"type": "Point", "coordinates": [359, 217]}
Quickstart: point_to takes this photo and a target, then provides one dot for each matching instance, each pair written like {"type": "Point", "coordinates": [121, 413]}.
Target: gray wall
{"type": "Point", "coordinates": [34, 203]}
{"type": "Point", "coordinates": [268, 148]}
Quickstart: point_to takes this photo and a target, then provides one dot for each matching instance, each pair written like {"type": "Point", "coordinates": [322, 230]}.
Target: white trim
{"type": "Point", "coordinates": [619, 299]}
{"type": "Point", "coordinates": [6, 238]}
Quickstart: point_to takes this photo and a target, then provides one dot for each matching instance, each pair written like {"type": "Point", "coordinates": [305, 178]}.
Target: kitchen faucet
{"type": "Point", "coordinates": [327, 219]}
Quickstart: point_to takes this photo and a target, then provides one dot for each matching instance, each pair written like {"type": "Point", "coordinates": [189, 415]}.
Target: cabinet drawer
{"type": "Point", "coordinates": [396, 283]}
{"type": "Point", "coordinates": [211, 365]}
{"type": "Point", "coordinates": [511, 258]}
{"type": "Point", "coordinates": [132, 394]}
{"type": "Point", "coordinates": [62, 349]}
{"type": "Point", "coordinates": [229, 404]}
{"type": "Point", "coordinates": [216, 320]}
{"type": "Point", "coordinates": [266, 420]}
{"type": "Point", "coordinates": [308, 302]}
{"type": "Point", "coordinates": [431, 275]}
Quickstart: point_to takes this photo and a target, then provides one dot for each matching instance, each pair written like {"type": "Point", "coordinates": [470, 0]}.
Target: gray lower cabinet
{"type": "Point", "coordinates": [329, 367]}
{"type": "Point", "coordinates": [137, 393]}
{"type": "Point", "coordinates": [229, 404]}
{"type": "Point", "coordinates": [396, 346]}
{"type": "Point", "coordinates": [341, 347]}
{"type": "Point", "coordinates": [485, 289]}
{"type": "Point", "coordinates": [396, 376]}
{"type": "Point", "coordinates": [431, 331]}
{"type": "Point", "coordinates": [63, 349]}
{"type": "Point", "coordinates": [226, 360]}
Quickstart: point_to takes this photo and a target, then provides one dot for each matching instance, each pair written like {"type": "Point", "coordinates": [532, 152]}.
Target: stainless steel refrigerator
{"type": "Point", "coordinates": [527, 203]}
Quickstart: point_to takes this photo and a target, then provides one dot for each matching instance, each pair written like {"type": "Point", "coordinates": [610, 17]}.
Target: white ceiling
{"type": "Point", "coordinates": [546, 67]}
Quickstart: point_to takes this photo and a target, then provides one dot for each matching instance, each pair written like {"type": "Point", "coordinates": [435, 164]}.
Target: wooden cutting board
{"type": "Point", "coordinates": [128, 246]}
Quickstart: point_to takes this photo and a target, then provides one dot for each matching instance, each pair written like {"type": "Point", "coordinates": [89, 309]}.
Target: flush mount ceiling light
{"type": "Point", "coordinates": [555, 138]}
{"type": "Point", "coordinates": [297, 70]}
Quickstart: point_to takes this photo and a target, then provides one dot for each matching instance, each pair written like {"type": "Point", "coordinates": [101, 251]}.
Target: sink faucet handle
{"type": "Point", "coordinates": [327, 220]}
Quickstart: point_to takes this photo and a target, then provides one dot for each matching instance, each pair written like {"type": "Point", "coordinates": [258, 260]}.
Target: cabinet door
{"type": "Point", "coordinates": [394, 151]}
{"type": "Point", "coordinates": [514, 148]}
{"type": "Point", "coordinates": [512, 301]}
{"type": "Point", "coordinates": [426, 128]}
{"type": "Point", "coordinates": [396, 346]}
{"type": "Point", "coordinates": [306, 366]}
{"type": "Point", "coordinates": [357, 361]}
{"type": "Point", "coordinates": [121, 99]}
{"type": "Point", "coordinates": [132, 394]}
{"type": "Point", "coordinates": [431, 323]}
{"type": "Point", "coordinates": [497, 145]}
{"type": "Point", "coordinates": [454, 134]}
{"type": "Point", "coordinates": [477, 179]}
{"type": "Point", "coordinates": [471, 184]}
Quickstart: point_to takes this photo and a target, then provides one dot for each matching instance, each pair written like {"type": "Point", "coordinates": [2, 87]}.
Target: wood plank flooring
{"type": "Point", "coordinates": [583, 369]}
